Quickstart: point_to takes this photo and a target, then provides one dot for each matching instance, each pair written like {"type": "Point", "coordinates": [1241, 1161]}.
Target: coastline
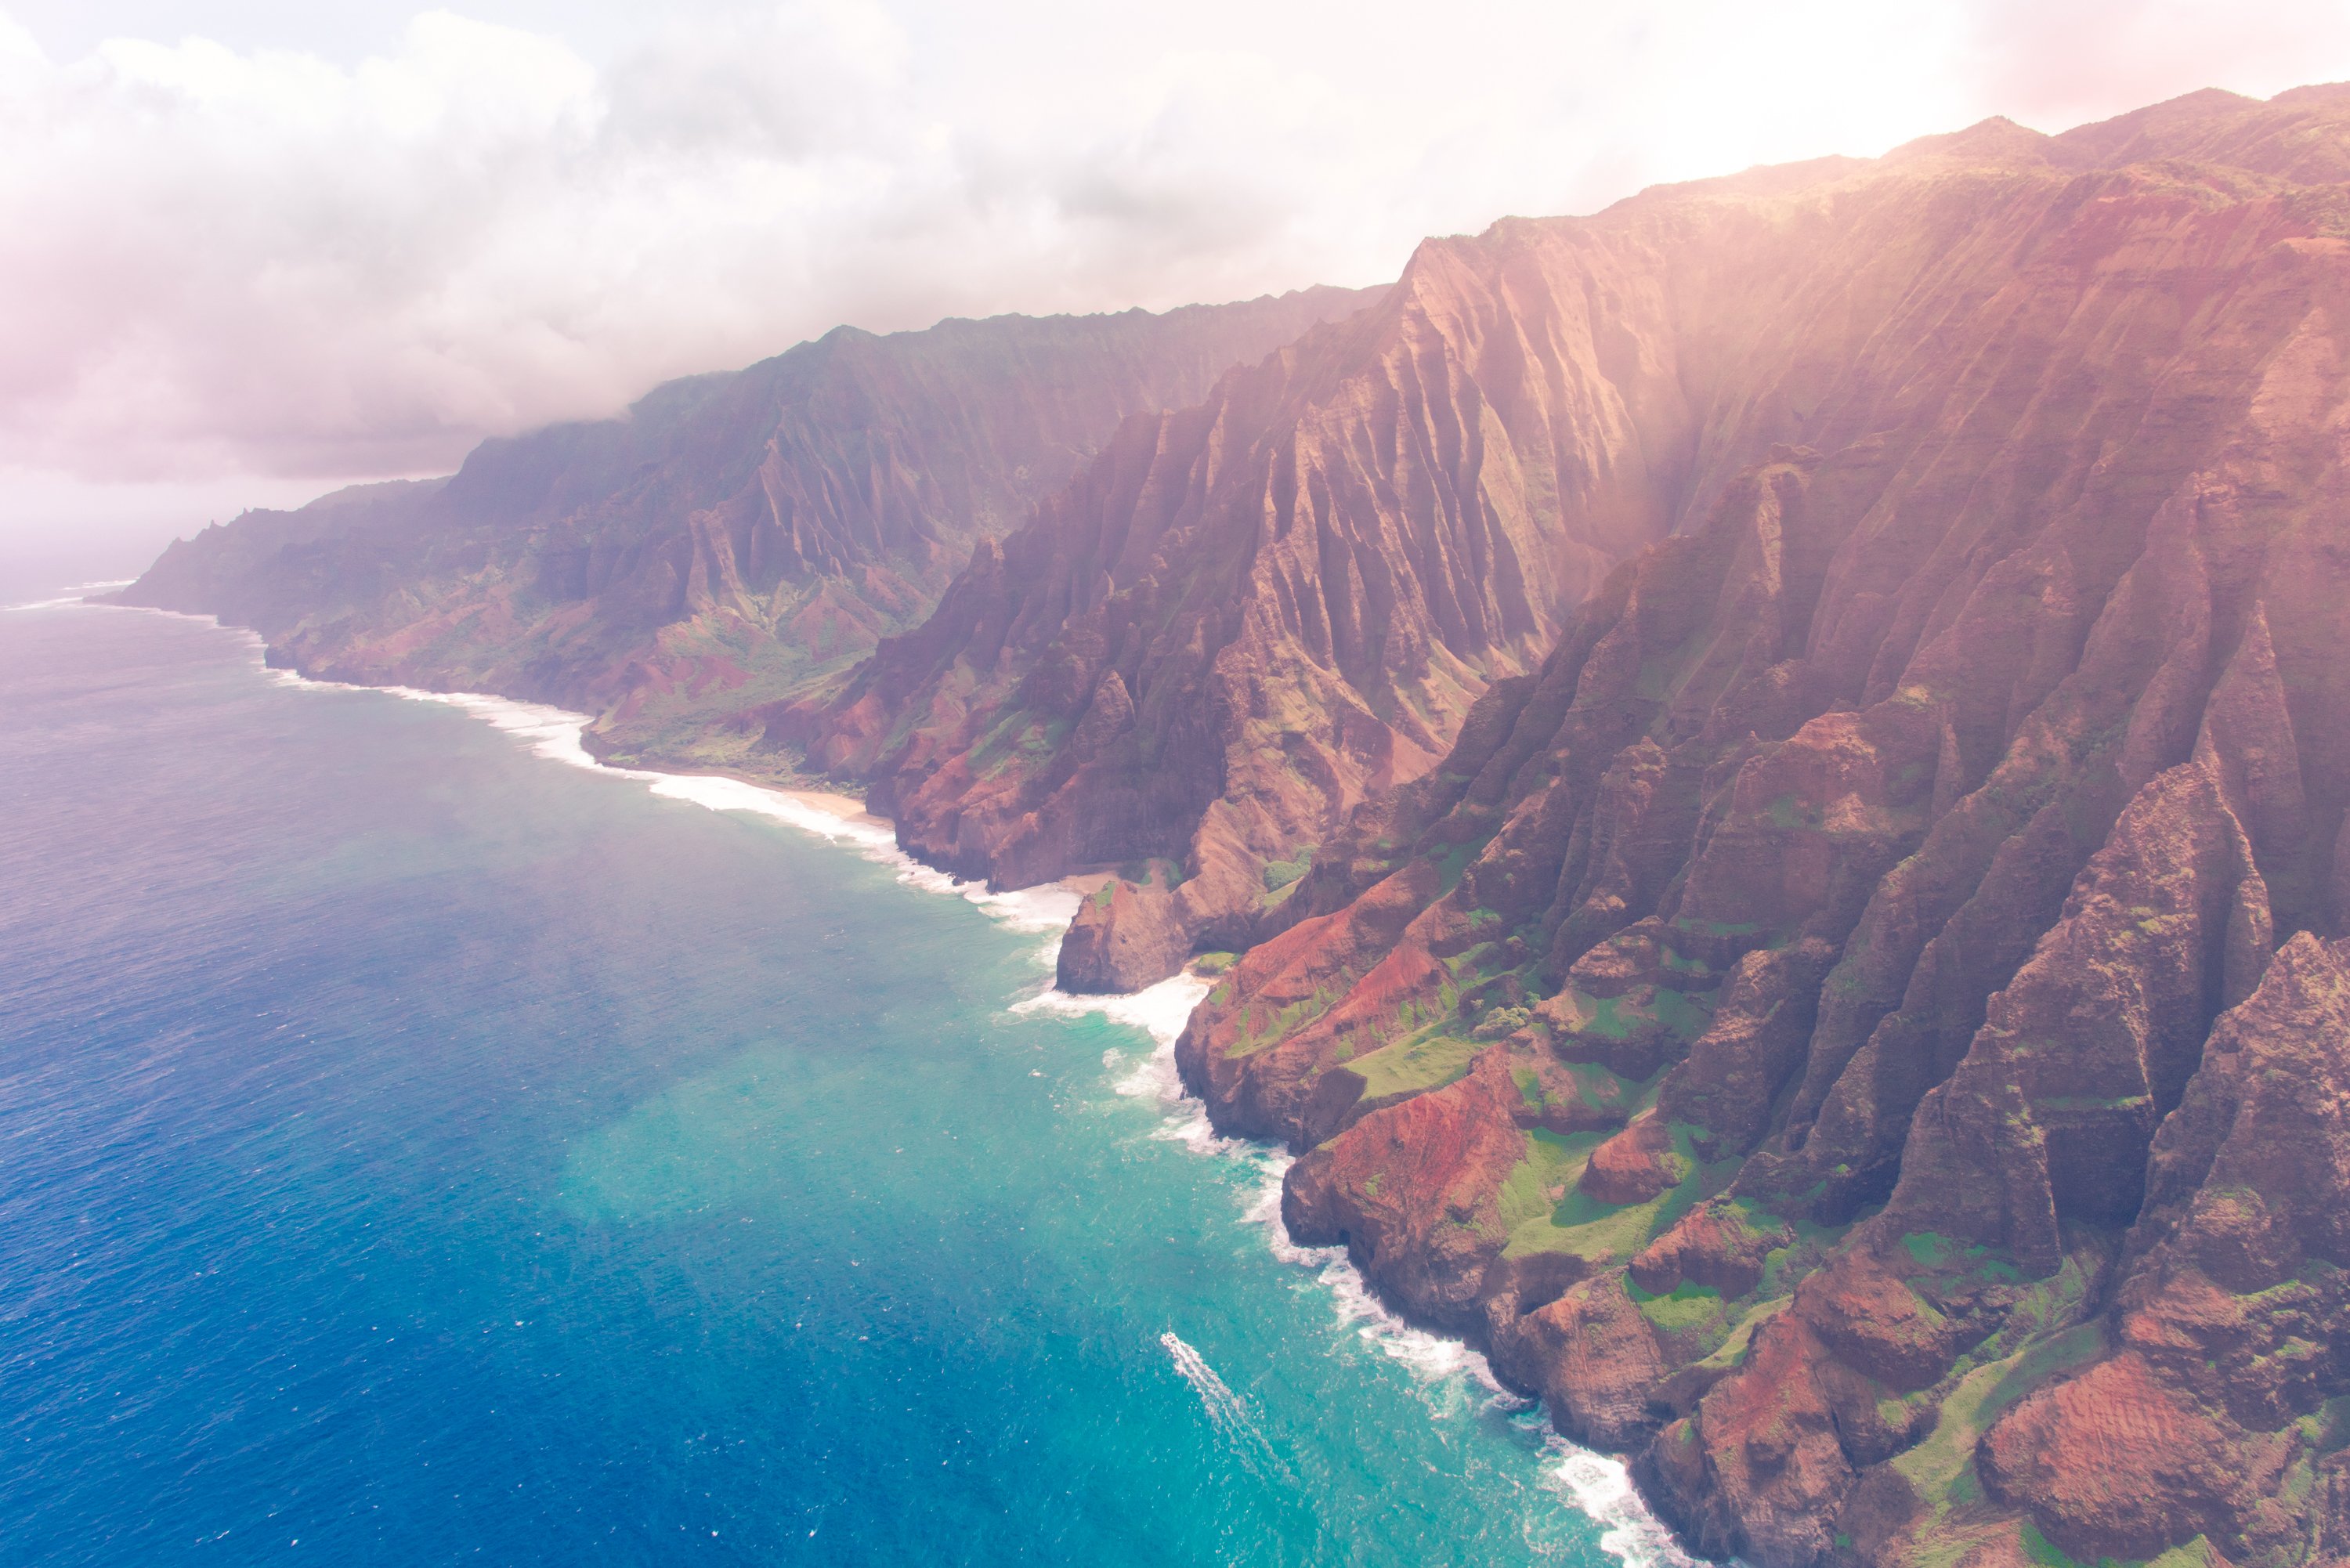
{"type": "Point", "coordinates": [1600, 1485]}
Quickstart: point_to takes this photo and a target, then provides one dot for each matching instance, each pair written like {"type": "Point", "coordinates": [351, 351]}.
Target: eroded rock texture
{"type": "Point", "coordinates": [1247, 618]}
{"type": "Point", "coordinates": [1861, 1025]}
{"type": "Point", "coordinates": [728, 540]}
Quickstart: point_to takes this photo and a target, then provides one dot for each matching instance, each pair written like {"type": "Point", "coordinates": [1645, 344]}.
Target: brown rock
{"type": "Point", "coordinates": [1125, 936]}
{"type": "Point", "coordinates": [2113, 1464]}
{"type": "Point", "coordinates": [1953, 716]}
{"type": "Point", "coordinates": [1413, 1193]}
{"type": "Point", "coordinates": [1595, 1360]}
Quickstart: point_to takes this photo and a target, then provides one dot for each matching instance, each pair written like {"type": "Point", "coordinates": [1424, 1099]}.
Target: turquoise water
{"type": "Point", "coordinates": [416, 1150]}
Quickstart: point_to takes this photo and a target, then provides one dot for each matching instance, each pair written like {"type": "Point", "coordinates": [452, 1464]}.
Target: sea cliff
{"type": "Point", "coordinates": [1860, 1026]}
{"type": "Point", "coordinates": [1776, 758]}
{"type": "Point", "coordinates": [727, 541]}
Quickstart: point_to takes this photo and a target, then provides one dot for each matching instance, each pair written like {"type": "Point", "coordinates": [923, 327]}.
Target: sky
{"type": "Point", "coordinates": [254, 249]}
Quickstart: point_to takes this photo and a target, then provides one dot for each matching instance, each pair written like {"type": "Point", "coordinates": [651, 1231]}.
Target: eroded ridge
{"type": "Point", "coordinates": [1861, 1026]}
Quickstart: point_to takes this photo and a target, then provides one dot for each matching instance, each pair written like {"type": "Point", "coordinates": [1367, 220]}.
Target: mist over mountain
{"type": "Point", "coordinates": [731, 538]}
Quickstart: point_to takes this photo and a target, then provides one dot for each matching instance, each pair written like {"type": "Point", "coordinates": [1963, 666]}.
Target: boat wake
{"type": "Point", "coordinates": [1227, 1411]}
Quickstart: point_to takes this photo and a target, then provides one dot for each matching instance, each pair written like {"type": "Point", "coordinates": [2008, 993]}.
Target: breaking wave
{"type": "Point", "coordinates": [1602, 1489]}
{"type": "Point", "coordinates": [1160, 1010]}
{"type": "Point", "coordinates": [1451, 1379]}
{"type": "Point", "coordinates": [79, 594]}
{"type": "Point", "coordinates": [557, 734]}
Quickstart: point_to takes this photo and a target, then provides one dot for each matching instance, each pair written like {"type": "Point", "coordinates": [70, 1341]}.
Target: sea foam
{"type": "Point", "coordinates": [79, 594]}
{"type": "Point", "coordinates": [1448, 1374]}
{"type": "Point", "coordinates": [1601, 1487]}
{"type": "Point", "coordinates": [557, 734]}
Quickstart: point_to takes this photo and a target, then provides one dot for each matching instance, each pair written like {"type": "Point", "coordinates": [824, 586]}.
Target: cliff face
{"type": "Point", "coordinates": [1861, 1025]}
{"type": "Point", "coordinates": [1247, 618]}
{"type": "Point", "coordinates": [728, 540]}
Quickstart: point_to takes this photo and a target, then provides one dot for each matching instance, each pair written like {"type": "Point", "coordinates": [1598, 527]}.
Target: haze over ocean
{"type": "Point", "coordinates": [413, 1150]}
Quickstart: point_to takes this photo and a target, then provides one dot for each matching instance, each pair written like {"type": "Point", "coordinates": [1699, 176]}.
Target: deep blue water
{"type": "Point", "coordinates": [413, 1150]}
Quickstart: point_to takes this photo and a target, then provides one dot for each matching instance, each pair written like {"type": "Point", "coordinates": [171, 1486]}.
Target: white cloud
{"type": "Point", "coordinates": [220, 260]}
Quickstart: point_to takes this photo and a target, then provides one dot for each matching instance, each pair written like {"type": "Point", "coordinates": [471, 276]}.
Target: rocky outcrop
{"type": "Point", "coordinates": [1860, 1025]}
{"type": "Point", "coordinates": [730, 539]}
{"type": "Point", "coordinates": [1125, 936]}
{"type": "Point", "coordinates": [2215, 1411]}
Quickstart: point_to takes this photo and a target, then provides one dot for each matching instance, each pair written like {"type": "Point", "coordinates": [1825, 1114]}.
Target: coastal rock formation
{"type": "Point", "coordinates": [1862, 1024]}
{"type": "Point", "coordinates": [1125, 936]}
{"type": "Point", "coordinates": [728, 540]}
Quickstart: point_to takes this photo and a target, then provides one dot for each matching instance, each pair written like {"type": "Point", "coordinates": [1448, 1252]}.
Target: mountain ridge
{"type": "Point", "coordinates": [729, 538]}
{"type": "Point", "coordinates": [1599, 381]}
{"type": "Point", "coordinates": [1796, 1028]}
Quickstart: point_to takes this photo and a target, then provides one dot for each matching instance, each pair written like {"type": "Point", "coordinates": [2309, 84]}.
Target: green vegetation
{"type": "Point", "coordinates": [2196, 1553]}
{"type": "Point", "coordinates": [1212, 964]}
{"type": "Point", "coordinates": [1280, 874]}
{"type": "Point", "coordinates": [1689, 1309]}
{"type": "Point", "coordinates": [1722, 928]}
{"type": "Point", "coordinates": [1428, 1059]}
{"type": "Point", "coordinates": [1672, 962]}
{"type": "Point", "coordinates": [1941, 1468]}
{"type": "Point", "coordinates": [1580, 1225]}
{"type": "Point", "coordinates": [1501, 1022]}
{"type": "Point", "coordinates": [1455, 860]}
{"type": "Point", "coordinates": [2327, 1427]}
{"type": "Point", "coordinates": [1532, 1190]}
{"type": "Point", "coordinates": [1594, 1085]}
{"type": "Point", "coordinates": [1168, 874]}
{"type": "Point", "coordinates": [1616, 1017]}
{"type": "Point", "coordinates": [1018, 736]}
{"type": "Point", "coordinates": [1260, 1026]}
{"type": "Point", "coordinates": [1731, 1351]}
{"type": "Point", "coordinates": [1607, 1090]}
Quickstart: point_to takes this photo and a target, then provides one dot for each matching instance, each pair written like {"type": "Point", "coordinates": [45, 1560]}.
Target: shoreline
{"type": "Point", "coordinates": [1598, 1485]}
{"type": "Point", "coordinates": [845, 808]}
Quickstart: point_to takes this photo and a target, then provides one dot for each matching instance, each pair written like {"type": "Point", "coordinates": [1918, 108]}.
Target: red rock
{"type": "Point", "coordinates": [1635, 1165]}
{"type": "Point", "coordinates": [1946, 789]}
{"type": "Point", "coordinates": [1412, 1193]}
{"type": "Point", "coordinates": [1593, 1359]}
{"type": "Point", "coordinates": [1953, 716]}
{"type": "Point", "coordinates": [2111, 1463]}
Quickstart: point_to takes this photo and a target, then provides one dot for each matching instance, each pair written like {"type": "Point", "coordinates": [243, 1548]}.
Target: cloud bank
{"type": "Point", "coordinates": [255, 261]}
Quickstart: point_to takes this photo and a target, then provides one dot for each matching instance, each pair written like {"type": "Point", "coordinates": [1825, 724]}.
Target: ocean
{"type": "Point", "coordinates": [419, 1145]}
